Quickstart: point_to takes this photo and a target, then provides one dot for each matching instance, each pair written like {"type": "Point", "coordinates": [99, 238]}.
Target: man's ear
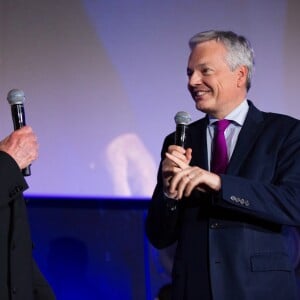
{"type": "Point", "coordinates": [242, 73]}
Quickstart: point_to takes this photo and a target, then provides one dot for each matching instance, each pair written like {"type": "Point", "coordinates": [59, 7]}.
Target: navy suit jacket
{"type": "Point", "coordinates": [20, 277]}
{"type": "Point", "coordinates": [235, 241]}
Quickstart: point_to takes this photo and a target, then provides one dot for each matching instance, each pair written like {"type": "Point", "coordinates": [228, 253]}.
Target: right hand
{"type": "Point", "coordinates": [169, 168]}
{"type": "Point", "coordinates": [22, 146]}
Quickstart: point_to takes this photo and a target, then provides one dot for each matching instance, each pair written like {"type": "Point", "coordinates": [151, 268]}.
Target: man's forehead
{"type": "Point", "coordinates": [202, 55]}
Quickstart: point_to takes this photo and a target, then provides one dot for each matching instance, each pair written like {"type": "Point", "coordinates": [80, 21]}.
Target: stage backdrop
{"type": "Point", "coordinates": [104, 79]}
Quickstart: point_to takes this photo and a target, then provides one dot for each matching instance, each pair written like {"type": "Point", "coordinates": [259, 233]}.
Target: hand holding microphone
{"type": "Point", "coordinates": [182, 120]}
{"type": "Point", "coordinates": [169, 167]}
{"type": "Point", "coordinates": [22, 144]}
{"type": "Point", "coordinates": [180, 178]}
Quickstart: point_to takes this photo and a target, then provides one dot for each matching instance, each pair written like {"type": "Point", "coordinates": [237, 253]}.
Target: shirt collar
{"type": "Point", "coordinates": [238, 115]}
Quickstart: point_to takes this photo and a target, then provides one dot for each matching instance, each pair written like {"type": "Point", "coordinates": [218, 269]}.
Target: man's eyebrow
{"type": "Point", "coordinates": [200, 65]}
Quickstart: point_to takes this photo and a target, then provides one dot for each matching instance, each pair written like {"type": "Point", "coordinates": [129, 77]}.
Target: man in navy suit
{"type": "Point", "coordinates": [230, 227]}
{"type": "Point", "coordinates": [20, 277]}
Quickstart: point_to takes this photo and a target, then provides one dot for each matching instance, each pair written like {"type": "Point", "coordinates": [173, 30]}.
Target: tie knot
{"type": "Point", "coordinates": [222, 124]}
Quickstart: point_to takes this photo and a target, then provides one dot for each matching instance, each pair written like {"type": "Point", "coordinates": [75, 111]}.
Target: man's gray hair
{"type": "Point", "coordinates": [240, 52]}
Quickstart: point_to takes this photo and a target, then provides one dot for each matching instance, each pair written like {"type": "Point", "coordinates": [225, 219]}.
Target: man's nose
{"type": "Point", "coordinates": [195, 78]}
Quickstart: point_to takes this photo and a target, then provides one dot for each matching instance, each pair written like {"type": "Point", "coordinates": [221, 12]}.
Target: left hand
{"type": "Point", "coordinates": [190, 178]}
{"type": "Point", "coordinates": [170, 168]}
{"type": "Point", "coordinates": [22, 146]}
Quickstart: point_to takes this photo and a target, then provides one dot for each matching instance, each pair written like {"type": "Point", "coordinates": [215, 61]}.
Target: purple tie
{"type": "Point", "coordinates": [219, 160]}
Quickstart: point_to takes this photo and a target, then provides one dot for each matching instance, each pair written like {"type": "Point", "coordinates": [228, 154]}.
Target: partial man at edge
{"type": "Point", "coordinates": [20, 277]}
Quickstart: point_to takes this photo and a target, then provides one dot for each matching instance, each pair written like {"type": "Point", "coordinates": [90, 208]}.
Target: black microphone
{"type": "Point", "coordinates": [16, 100]}
{"type": "Point", "coordinates": [182, 120]}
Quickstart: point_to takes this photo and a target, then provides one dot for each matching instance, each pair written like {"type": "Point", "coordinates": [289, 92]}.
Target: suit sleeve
{"type": "Point", "coordinates": [163, 218]}
{"type": "Point", "coordinates": [275, 197]}
{"type": "Point", "coordinates": [12, 182]}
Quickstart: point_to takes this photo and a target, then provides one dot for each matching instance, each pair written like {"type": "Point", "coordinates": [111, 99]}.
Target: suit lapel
{"type": "Point", "coordinates": [198, 142]}
{"type": "Point", "coordinates": [248, 134]}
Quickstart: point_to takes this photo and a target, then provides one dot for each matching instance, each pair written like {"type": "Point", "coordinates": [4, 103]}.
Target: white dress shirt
{"type": "Point", "coordinates": [237, 118]}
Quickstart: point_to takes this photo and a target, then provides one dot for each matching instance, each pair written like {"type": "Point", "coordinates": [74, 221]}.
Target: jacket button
{"type": "Point", "coordinates": [233, 198]}
{"type": "Point", "coordinates": [214, 225]}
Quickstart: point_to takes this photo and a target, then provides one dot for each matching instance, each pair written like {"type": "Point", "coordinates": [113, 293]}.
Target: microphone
{"type": "Point", "coordinates": [16, 100]}
{"type": "Point", "coordinates": [182, 120]}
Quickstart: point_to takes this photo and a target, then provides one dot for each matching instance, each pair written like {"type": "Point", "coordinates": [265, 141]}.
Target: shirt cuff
{"type": "Point", "coordinates": [171, 203]}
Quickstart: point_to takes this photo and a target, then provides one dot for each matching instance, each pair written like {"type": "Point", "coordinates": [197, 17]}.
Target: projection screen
{"type": "Point", "coordinates": [104, 79]}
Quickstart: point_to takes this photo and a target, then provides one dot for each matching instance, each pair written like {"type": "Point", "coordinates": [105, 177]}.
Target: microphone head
{"type": "Point", "coordinates": [15, 96]}
{"type": "Point", "coordinates": [183, 118]}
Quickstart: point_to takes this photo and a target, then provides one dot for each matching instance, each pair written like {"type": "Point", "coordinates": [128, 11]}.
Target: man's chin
{"type": "Point", "coordinates": [200, 105]}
